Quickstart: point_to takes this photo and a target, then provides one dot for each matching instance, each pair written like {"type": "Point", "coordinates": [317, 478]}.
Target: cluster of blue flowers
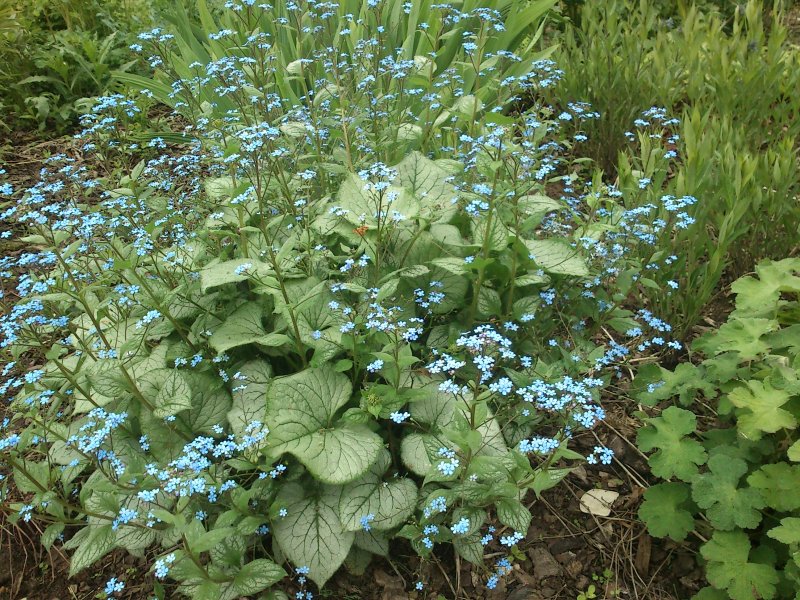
{"type": "Point", "coordinates": [126, 286]}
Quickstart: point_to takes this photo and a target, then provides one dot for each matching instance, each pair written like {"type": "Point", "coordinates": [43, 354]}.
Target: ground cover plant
{"type": "Point", "coordinates": [740, 474]}
{"type": "Point", "coordinates": [368, 288]}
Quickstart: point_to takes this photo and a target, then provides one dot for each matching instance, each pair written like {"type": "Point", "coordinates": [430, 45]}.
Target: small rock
{"type": "Point", "coordinates": [565, 557]}
{"type": "Point", "coordinates": [581, 474]}
{"type": "Point", "coordinates": [499, 592]}
{"type": "Point", "coordinates": [582, 582]}
{"type": "Point", "coordinates": [566, 543]}
{"type": "Point", "coordinates": [544, 565]}
{"type": "Point", "coordinates": [574, 568]}
{"type": "Point", "coordinates": [524, 593]}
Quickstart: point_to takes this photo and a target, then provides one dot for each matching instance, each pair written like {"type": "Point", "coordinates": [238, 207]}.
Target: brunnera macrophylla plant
{"type": "Point", "coordinates": [334, 319]}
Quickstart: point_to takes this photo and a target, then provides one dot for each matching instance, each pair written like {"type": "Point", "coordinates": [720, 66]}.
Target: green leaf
{"type": "Point", "coordinates": [98, 542]}
{"type": "Point", "coordinates": [391, 502]}
{"type": "Point", "coordinates": [243, 326]}
{"type": "Point", "coordinates": [373, 541]}
{"type": "Point", "coordinates": [727, 506]}
{"type": "Point", "coordinates": [310, 534]}
{"type": "Point", "coordinates": [557, 256]}
{"type": "Point", "coordinates": [250, 399]}
{"type": "Point", "coordinates": [209, 408]}
{"type": "Point", "coordinates": [362, 205]}
{"type": "Point", "coordinates": [779, 484]}
{"type": "Point", "coordinates": [664, 511]}
{"type": "Point", "coordinates": [300, 415]}
{"type": "Point", "coordinates": [415, 454]}
{"type": "Point", "coordinates": [534, 207]}
{"type": "Point", "coordinates": [545, 479]}
{"type": "Point", "coordinates": [134, 539]}
{"type": "Point", "coordinates": [489, 303]}
{"type": "Point", "coordinates": [677, 456]}
{"type": "Point", "coordinates": [729, 568]}
{"type": "Point", "coordinates": [738, 335]}
{"type": "Point", "coordinates": [762, 404]}
{"type": "Point", "coordinates": [429, 184]}
{"type": "Point", "coordinates": [514, 514]}
{"type": "Point", "coordinates": [50, 534]}
{"type": "Point", "coordinates": [685, 382]}
{"type": "Point", "coordinates": [220, 273]}
{"type": "Point", "coordinates": [256, 576]}
{"type": "Point", "coordinates": [794, 452]}
{"type": "Point", "coordinates": [496, 232]}
{"type": "Point", "coordinates": [174, 394]}
{"type": "Point", "coordinates": [469, 548]}
{"type": "Point", "coordinates": [761, 297]}
{"type": "Point", "coordinates": [788, 532]}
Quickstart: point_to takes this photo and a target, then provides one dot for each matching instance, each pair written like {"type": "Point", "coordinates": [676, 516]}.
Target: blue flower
{"type": "Point", "coordinates": [366, 520]}
{"type": "Point", "coordinates": [461, 527]}
{"type": "Point", "coordinates": [113, 586]}
{"type": "Point", "coordinates": [399, 417]}
{"type": "Point", "coordinates": [375, 366]}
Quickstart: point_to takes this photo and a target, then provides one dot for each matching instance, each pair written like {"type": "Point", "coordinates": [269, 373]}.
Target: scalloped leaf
{"type": "Point", "coordinates": [677, 455]}
{"type": "Point", "coordinates": [727, 505]}
{"type": "Point", "coordinates": [762, 404]}
{"type": "Point", "coordinates": [728, 568]}
{"type": "Point", "coordinates": [665, 511]}
{"type": "Point", "coordinates": [779, 484]}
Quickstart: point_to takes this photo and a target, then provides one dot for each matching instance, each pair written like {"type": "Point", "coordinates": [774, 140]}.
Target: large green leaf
{"type": "Point", "coordinates": [362, 204]}
{"type": "Point", "coordinates": [557, 256]}
{"type": "Point", "coordinates": [301, 411]}
{"type": "Point", "coordinates": [429, 182]}
{"type": "Point", "coordinates": [249, 401]}
{"type": "Point", "coordinates": [762, 405]}
{"type": "Point", "coordinates": [665, 511]}
{"type": "Point", "coordinates": [311, 535]}
{"type": "Point", "coordinates": [389, 501]}
{"type": "Point", "coordinates": [677, 455]}
{"type": "Point", "coordinates": [779, 484]}
{"type": "Point", "coordinates": [535, 206]}
{"type": "Point", "coordinates": [743, 336]}
{"type": "Point", "coordinates": [788, 532]}
{"type": "Point", "coordinates": [173, 393]}
{"type": "Point", "coordinates": [728, 554]}
{"type": "Point", "coordinates": [760, 297]}
{"type": "Point", "coordinates": [220, 273]}
{"type": "Point", "coordinates": [727, 506]}
{"type": "Point", "coordinates": [256, 576]}
{"type": "Point", "coordinates": [96, 543]}
{"type": "Point", "coordinates": [243, 326]}
{"type": "Point", "coordinates": [513, 513]}
{"type": "Point", "coordinates": [210, 401]}
{"type": "Point", "coordinates": [684, 382]}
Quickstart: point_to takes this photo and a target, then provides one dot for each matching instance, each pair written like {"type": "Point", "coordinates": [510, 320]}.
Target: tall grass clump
{"type": "Point", "coordinates": [57, 56]}
{"type": "Point", "coordinates": [737, 126]}
{"type": "Point", "coordinates": [345, 314]}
